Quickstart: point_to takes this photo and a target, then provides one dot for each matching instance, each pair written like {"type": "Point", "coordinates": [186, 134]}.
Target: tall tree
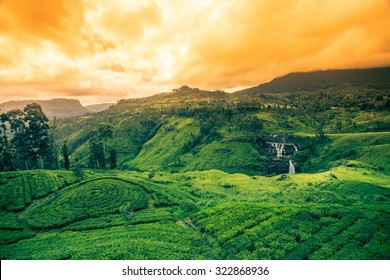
{"type": "Point", "coordinates": [112, 159]}
{"type": "Point", "coordinates": [105, 131]}
{"type": "Point", "coordinates": [53, 152]}
{"type": "Point", "coordinates": [6, 155]}
{"type": "Point", "coordinates": [30, 139]}
{"type": "Point", "coordinates": [97, 157]}
{"type": "Point", "coordinates": [65, 156]}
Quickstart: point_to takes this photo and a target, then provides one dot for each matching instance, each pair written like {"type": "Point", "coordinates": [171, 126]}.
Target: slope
{"type": "Point", "coordinates": [339, 214]}
{"type": "Point", "coordinates": [309, 81]}
{"type": "Point", "coordinates": [60, 107]}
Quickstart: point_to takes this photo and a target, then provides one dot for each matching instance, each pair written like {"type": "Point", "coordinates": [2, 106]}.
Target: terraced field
{"type": "Point", "coordinates": [339, 214]}
{"type": "Point", "coordinates": [255, 231]}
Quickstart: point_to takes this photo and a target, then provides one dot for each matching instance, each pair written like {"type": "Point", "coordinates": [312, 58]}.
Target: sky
{"type": "Point", "coordinates": [104, 51]}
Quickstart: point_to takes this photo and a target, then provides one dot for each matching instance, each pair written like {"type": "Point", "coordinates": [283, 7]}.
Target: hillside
{"type": "Point", "coordinates": [61, 108]}
{"type": "Point", "coordinates": [191, 129]}
{"type": "Point", "coordinates": [200, 174]}
{"type": "Point", "coordinates": [309, 81]}
{"type": "Point", "coordinates": [98, 107]}
{"type": "Point", "coordinates": [340, 214]}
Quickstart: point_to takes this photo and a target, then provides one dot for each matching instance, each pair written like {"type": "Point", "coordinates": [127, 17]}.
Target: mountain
{"type": "Point", "coordinates": [308, 81]}
{"type": "Point", "coordinates": [61, 107]}
{"type": "Point", "coordinates": [300, 175]}
{"type": "Point", "coordinates": [190, 129]}
{"type": "Point", "coordinates": [95, 108]}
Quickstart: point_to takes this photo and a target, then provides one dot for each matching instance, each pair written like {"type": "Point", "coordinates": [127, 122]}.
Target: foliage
{"type": "Point", "coordinates": [90, 199]}
{"type": "Point", "coordinates": [19, 189]}
{"type": "Point", "coordinates": [278, 232]}
{"type": "Point", "coordinates": [65, 155]}
{"type": "Point", "coordinates": [138, 242]}
{"type": "Point", "coordinates": [189, 197]}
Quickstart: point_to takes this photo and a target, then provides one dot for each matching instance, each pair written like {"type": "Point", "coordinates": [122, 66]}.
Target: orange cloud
{"type": "Point", "coordinates": [262, 39]}
{"type": "Point", "coordinates": [32, 22]}
{"type": "Point", "coordinates": [113, 49]}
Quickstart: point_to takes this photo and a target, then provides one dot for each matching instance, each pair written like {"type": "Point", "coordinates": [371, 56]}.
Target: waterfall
{"type": "Point", "coordinates": [295, 149]}
{"type": "Point", "coordinates": [291, 168]}
{"type": "Point", "coordinates": [279, 149]}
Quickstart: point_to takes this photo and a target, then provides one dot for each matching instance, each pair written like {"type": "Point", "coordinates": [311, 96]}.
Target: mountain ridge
{"type": "Point", "coordinates": [321, 79]}
{"type": "Point", "coordinates": [62, 108]}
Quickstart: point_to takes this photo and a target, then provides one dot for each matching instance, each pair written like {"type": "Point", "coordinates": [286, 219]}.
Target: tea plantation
{"type": "Point", "coordinates": [342, 213]}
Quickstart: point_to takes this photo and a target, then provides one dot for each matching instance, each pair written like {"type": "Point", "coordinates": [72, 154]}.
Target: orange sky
{"type": "Point", "coordinates": [100, 51]}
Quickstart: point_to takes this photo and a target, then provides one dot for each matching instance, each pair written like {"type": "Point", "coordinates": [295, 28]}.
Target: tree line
{"type": "Point", "coordinates": [27, 142]}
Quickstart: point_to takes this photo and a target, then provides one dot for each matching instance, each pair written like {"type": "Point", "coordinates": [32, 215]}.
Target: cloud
{"type": "Point", "coordinates": [262, 39]}
{"type": "Point", "coordinates": [108, 50]}
{"type": "Point", "coordinates": [33, 22]}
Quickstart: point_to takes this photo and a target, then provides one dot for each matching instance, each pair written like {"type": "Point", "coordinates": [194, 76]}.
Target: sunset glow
{"type": "Point", "coordinates": [103, 51]}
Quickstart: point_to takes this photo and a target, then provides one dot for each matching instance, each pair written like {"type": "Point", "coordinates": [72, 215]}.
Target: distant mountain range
{"type": "Point", "coordinates": [307, 81]}
{"type": "Point", "coordinates": [61, 107]}
{"type": "Point", "coordinates": [293, 82]}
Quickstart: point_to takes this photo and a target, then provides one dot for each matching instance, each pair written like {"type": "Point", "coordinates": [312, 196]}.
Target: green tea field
{"type": "Point", "coordinates": [343, 213]}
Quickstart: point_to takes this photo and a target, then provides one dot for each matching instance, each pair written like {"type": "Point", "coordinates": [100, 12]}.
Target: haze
{"type": "Point", "coordinates": [99, 51]}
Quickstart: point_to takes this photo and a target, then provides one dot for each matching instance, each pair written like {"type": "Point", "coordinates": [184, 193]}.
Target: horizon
{"type": "Point", "coordinates": [91, 52]}
{"type": "Point", "coordinates": [157, 93]}
{"type": "Point", "coordinates": [85, 104]}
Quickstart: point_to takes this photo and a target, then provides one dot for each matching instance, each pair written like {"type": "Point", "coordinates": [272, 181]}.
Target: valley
{"type": "Point", "coordinates": [280, 171]}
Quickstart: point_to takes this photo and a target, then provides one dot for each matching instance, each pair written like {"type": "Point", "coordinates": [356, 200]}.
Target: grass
{"type": "Point", "coordinates": [371, 148]}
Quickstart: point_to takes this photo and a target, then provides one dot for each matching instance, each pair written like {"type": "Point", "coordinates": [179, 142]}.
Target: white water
{"type": "Point", "coordinates": [295, 148]}
{"type": "Point", "coordinates": [291, 168]}
{"type": "Point", "coordinates": [279, 149]}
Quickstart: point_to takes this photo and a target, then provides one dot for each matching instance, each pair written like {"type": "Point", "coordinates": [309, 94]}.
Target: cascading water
{"type": "Point", "coordinates": [295, 149]}
{"type": "Point", "coordinates": [279, 149]}
{"type": "Point", "coordinates": [291, 168]}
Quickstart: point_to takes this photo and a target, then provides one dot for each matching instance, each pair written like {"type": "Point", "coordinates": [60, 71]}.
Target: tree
{"type": "Point", "coordinates": [53, 152]}
{"type": "Point", "coordinates": [6, 154]}
{"type": "Point", "coordinates": [98, 148]}
{"type": "Point", "coordinates": [65, 156]}
{"type": "Point", "coordinates": [105, 131]}
{"type": "Point", "coordinates": [97, 157]}
{"type": "Point", "coordinates": [36, 133]}
{"type": "Point", "coordinates": [252, 123]}
{"type": "Point", "coordinates": [112, 159]}
{"type": "Point", "coordinates": [31, 141]}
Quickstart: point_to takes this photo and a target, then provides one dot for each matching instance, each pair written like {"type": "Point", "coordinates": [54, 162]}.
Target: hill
{"type": "Point", "coordinates": [60, 107]}
{"type": "Point", "coordinates": [191, 129]}
{"type": "Point", "coordinates": [310, 81]}
{"type": "Point", "coordinates": [98, 107]}
{"type": "Point", "coordinates": [212, 175]}
{"type": "Point", "coordinates": [340, 214]}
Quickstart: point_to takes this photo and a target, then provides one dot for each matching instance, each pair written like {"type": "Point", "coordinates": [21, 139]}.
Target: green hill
{"type": "Point", "coordinates": [229, 132]}
{"type": "Point", "coordinates": [309, 81]}
{"type": "Point", "coordinates": [298, 174]}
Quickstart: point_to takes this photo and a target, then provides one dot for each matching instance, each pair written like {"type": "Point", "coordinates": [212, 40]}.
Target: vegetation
{"type": "Point", "coordinates": [194, 174]}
